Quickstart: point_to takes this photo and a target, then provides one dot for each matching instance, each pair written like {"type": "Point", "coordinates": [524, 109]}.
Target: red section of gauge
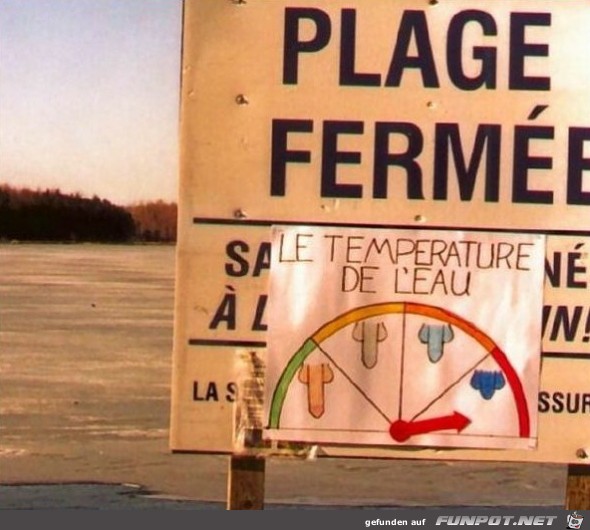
{"type": "Point", "coordinates": [524, 422]}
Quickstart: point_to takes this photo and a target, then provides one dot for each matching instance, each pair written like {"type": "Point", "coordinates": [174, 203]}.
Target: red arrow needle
{"type": "Point", "coordinates": [401, 430]}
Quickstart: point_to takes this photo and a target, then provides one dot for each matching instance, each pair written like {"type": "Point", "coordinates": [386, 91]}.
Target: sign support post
{"type": "Point", "coordinates": [577, 495]}
{"type": "Point", "coordinates": [245, 483]}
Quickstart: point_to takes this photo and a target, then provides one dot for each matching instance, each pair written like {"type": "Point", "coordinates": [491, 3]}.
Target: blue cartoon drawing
{"type": "Point", "coordinates": [487, 382]}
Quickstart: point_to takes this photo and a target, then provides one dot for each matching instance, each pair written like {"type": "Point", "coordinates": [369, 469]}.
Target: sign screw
{"type": "Point", "coordinates": [240, 214]}
{"type": "Point", "coordinates": [241, 99]}
{"type": "Point", "coordinates": [582, 453]}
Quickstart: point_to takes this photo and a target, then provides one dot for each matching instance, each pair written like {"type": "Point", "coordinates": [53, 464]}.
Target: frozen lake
{"type": "Point", "coordinates": [87, 336]}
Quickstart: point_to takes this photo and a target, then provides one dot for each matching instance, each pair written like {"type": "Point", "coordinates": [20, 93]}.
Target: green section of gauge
{"type": "Point", "coordinates": [287, 376]}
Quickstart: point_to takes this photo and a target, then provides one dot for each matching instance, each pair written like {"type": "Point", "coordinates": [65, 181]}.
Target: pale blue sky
{"type": "Point", "coordinates": [89, 96]}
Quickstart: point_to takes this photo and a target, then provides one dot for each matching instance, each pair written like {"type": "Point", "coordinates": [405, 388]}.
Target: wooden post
{"type": "Point", "coordinates": [577, 495]}
{"type": "Point", "coordinates": [245, 483]}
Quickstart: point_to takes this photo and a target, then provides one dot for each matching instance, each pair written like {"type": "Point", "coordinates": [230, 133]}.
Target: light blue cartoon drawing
{"type": "Point", "coordinates": [435, 337]}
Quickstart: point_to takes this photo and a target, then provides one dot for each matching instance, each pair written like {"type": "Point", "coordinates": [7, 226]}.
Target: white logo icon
{"type": "Point", "coordinates": [574, 521]}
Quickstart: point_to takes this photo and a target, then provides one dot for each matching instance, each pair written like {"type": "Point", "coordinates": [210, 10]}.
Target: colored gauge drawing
{"type": "Point", "coordinates": [403, 427]}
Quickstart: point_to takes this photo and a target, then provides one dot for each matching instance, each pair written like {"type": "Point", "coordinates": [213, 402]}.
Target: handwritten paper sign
{"type": "Point", "coordinates": [393, 337]}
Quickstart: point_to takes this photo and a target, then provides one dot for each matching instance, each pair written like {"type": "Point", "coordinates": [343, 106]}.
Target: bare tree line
{"type": "Point", "coordinates": [50, 215]}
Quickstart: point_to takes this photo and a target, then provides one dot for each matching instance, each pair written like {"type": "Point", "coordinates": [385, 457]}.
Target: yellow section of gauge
{"type": "Point", "coordinates": [375, 310]}
{"type": "Point", "coordinates": [355, 315]}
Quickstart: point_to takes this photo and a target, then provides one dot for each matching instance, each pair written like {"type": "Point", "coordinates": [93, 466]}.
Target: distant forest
{"type": "Point", "coordinates": [50, 215]}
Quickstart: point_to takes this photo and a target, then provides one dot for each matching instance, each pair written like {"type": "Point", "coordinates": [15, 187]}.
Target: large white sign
{"type": "Point", "coordinates": [457, 115]}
